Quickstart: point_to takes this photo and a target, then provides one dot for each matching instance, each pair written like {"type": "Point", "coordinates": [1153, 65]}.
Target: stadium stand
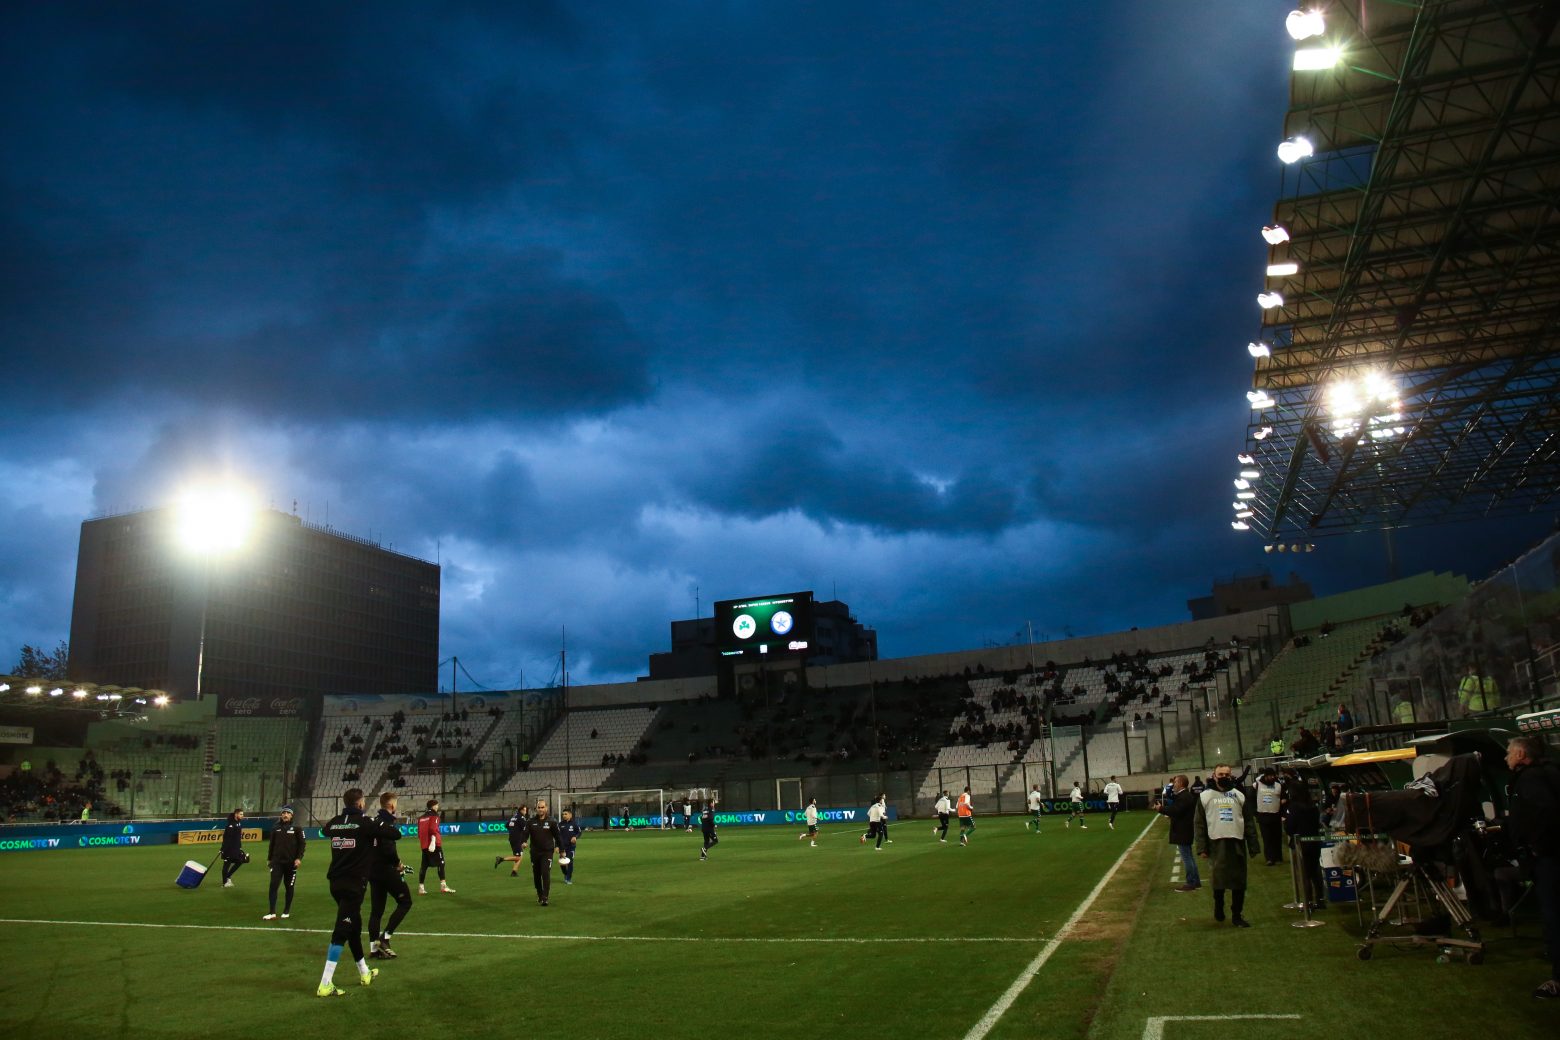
{"type": "Point", "coordinates": [582, 749]}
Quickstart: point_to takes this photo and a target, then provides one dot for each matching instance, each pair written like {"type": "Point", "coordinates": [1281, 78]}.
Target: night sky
{"type": "Point", "coordinates": [937, 307]}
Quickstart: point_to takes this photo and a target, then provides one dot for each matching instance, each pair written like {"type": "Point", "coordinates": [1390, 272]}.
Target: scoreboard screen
{"type": "Point", "coordinates": [765, 626]}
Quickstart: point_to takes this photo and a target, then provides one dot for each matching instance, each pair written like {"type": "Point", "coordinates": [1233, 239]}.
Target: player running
{"type": "Point", "coordinates": [569, 832]}
{"type": "Point", "coordinates": [943, 809]}
{"type": "Point", "coordinates": [386, 880]}
{"type": "Point", "coordinates": [519, 827]}
{"type": "Point", "coordinates": [352, 848]}
{"type": "Point", "coordinates": [707, 825]}
{"type": "Point", "coordinates": [966, 817]}
{"type": "Point", "coordinates": [1036, 808]}
{"type": "Point", "coordinates": [1077, 806]}
{"type": "Point", "coordinates": [810, 814]}
{"type": "Point", "coordinates": [432, 843]}
{"type": "Point", "coordinates": [1113, 800]}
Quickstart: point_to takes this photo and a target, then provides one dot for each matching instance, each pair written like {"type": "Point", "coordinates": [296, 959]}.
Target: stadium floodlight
{"type": "Point", "coordinates": [35, 689]}
{"type": "Point", "coordinates": [1242, 485]}
{"type": "Point", "coordinates": [80, 695]}
{"type": "Point", "coordinates": [1295, 149]}
{"type": "Point", "coordinates": [161, 700]}
{"type": "Point", "coordinates": [1283, 270]}
{"type": "Point", "coordinates": [1245, 496]}
{"type": "Point", "coordinates": [1302, 25]}
{"type": "Point", "coordinates": [1267, 548]}
{"type": "Point", "coordinates": [1251, 474]}
{"type": "Point", "coordinates": [1262, 433]}
{"type": "Point", "coordinates": [1268, 300]}
{"type": "Point", "coordinates": [1240, 525]}
{"type": "Point", "coordinates": [1317, 59]}
{"type": "Point", "coordinates": [1246, 460]}
{"type": "Point", "coordinates": [1260, 399]}
{"type": "Point", "coordinates": [1259, 350]}
{"type": "Point", "coordinates": [1244, 514]}
{"type": "Point", "coordinates": [1275, 234]}
{"type": "Point", "coordinates": [214, 519]}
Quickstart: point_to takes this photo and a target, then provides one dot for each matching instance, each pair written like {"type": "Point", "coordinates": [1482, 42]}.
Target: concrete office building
{"type": "Point", "coordinates": [297, 609]}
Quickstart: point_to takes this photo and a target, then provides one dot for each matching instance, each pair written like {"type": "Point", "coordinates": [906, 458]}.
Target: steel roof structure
{"type": "Point", "coordinates": [1425, 233]}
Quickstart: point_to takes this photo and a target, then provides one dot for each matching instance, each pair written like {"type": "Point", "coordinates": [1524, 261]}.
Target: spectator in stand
{"type": "Point", "coordinates": [1477, 693]}
{"type": "Point", "coordinates": [1345, 718]}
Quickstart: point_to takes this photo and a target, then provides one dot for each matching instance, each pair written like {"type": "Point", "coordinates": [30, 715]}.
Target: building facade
{"type": "Point", "coordinates": [298, 610]}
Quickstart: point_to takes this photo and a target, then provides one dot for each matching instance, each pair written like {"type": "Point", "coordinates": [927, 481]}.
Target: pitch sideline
{"type": "Point", "coordinates": [997, 1010]}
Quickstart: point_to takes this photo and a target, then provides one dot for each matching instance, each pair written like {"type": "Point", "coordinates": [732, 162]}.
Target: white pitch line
{"type": "Point", "coordinates": [284, 930]}
{"type": "Point", "coordinates": [997, 1010]}
{"type": "Point", "coordinates": [1154, 1028]}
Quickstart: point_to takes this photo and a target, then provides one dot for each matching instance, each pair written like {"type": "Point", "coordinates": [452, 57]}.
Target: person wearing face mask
{"type": "Point", "coordinates": [1227, 836]}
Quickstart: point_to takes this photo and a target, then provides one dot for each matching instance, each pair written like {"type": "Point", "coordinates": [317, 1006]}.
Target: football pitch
{"type": "Point", "coordinates": [1067, 934]}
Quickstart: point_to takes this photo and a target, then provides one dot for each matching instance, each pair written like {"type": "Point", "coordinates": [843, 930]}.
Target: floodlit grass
{"type": "Point", "coordinates": [652, 943]}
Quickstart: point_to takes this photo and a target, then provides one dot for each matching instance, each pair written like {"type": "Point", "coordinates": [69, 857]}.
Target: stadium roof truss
{"type": "Point", "coordinates": [1425, 232]}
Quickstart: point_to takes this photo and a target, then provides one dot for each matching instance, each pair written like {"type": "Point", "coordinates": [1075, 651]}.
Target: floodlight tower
{"type": "Point", "coordinates": [212, 522]}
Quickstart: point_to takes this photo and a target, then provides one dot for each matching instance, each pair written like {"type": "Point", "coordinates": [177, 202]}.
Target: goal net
{"type": "Point", "coordinates": [642, 809]}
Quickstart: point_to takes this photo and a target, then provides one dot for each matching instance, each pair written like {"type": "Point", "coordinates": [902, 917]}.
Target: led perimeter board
{"type": "Point", "coordinates": [765, 626]}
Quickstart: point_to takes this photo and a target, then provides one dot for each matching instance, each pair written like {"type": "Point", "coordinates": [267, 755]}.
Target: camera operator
{"type": "Point", "coordinates": [1535, 812]}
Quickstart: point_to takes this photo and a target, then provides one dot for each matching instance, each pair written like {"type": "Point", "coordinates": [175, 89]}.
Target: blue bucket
{"type": "Point", "coordinates": [192, 875]}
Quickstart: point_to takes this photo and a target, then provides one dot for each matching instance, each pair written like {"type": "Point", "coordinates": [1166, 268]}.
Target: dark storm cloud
{"type": "Point", "coordinates": [941, 303]}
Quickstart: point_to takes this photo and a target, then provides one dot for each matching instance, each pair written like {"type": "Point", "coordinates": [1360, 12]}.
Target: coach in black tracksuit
{"type": "Point", "coordinates": [386, 880]}
{"type": "Point", "coordinates": [707, 825]}
{"type": "Point", "coordinates": [544, 842]}
{"type": "Point", "coordinates": [284, 857]}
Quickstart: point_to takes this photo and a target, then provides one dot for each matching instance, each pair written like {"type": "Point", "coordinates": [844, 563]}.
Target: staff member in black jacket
{"type": "Point", "coordinates": [233, 854]}
{"type": "Point", "coordinates": [569, 832]}
{"type": "Point", "coordinates": [1535, 809]}
{"type": "Point", "coordinates": [1180, 807]}
{"type": "Point", "coordinates": [284, 858]}
{"type": "Point", "coordinates": [543, 843]}
{"type": "Point", "coordinates": [353, 838]}
{"type": "Point", "coordinates": [386, 879]}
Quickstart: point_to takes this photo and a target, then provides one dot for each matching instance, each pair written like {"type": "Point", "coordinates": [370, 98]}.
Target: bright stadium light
{"type": "Point", "coordinates": [1251, 474]}
{"type": "Point", "coordinates": [1245, 496]}
{"type": "Point", "coordinates": [1242, 485]}
{"type": "Point", "coordinates": [56, 693]}
{"type": "Point", "coordinates": [1302, 25]}
{"type": "Point", "coordinates": [1259, 350]}
{"type": "Point", "coordinates": [1283, 270]}
{"type": "Point", "coordinates": [1243, 514]}
{"type": "Point", "coordinates": [1295, 149]}
{"type": "Point", "coordinates": [1240, 525]}
{"type": "Point", "coordinates": [1262, 433]}
{"type": "Point", "coordinates": [1245, 460]}
{"type": "Point", "coordinates": [1259, 399]}
{"type": "Point", "coordinates": [80, 695]}
{"type": "Point", "coordinates": [161, 700]}
{"type": "Point", "coordinates": [1275, 234]}
{"type": "Point", "coordinates": [1316, 59]}
{"type": "Point", "coordinates": [214, 519]}
{"type": "Point", "coordinates": [1268, 300]}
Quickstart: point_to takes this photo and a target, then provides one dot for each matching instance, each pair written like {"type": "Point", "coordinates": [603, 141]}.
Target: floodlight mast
{"type": "Point", "coordinates": [212, 520]}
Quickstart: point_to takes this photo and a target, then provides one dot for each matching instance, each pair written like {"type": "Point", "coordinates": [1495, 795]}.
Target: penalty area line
{"type": "Point", "coordinates": [285, 930]}
{"type": "Point", "coordinates": [997, 1010]}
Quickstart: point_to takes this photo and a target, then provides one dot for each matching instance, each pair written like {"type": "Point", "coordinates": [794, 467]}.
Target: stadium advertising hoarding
{"type": "Point", "coordinates": [69, 835]}
{"type": "Point", "coordinates": [765, 626]}
{"type": "Point", "coordinates": [214, 837]}
{"type": "Point", "coordinates": [16, 734]}
{"type": "Point", "coordinates": [261, 707]}
{"type": "Point", "coordinates": [755, 818]}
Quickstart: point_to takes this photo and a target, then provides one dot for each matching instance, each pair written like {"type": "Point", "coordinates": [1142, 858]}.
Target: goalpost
{"type": "Point", "coordinates": [647, 807]}
{"type": "Point", "coordinates": [788, 785]}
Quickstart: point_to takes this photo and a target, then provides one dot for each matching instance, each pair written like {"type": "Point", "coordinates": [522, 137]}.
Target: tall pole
{"type": "Point", "coordinates": [205, 606]}
{"type": "Point", "coordinates": [563, 668]}
{"type": "Point", "coordinates": [454, 700]}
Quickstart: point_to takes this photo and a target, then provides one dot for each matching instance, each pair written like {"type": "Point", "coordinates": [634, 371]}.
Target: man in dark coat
{"type": "Point", "coordinates": [1535, 810]}
{"type": "Point", "coordinates": [1179, 807]}
{"type": "Point", "coordinates": [233, 854]}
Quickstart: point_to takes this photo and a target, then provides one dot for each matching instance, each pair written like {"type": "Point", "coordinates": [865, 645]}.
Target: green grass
{"type": "Point", "coordinates": [664, 946]}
